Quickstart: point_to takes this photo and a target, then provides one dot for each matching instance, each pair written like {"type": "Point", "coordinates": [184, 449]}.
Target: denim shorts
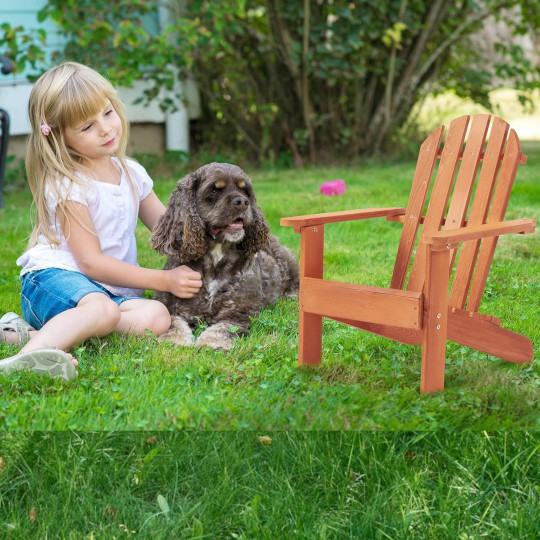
{"type": "Point", "coordinates": [46, 293]}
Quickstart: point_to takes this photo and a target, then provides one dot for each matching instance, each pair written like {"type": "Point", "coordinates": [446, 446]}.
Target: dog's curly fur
{"type": "Point", "coordinates": [214, 226]}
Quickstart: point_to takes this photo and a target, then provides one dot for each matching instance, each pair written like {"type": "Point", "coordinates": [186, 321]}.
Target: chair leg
{"type": "Point", "coordinates": [435, 324]}
{"type": "Point", "coordinates": [490, 338]}
{"type": "Point", "coordinates": [433, 363]}
{"type": "Point", "coordinates": [309, 324]}
{"type": "Point", "coordinates": [309, 339]}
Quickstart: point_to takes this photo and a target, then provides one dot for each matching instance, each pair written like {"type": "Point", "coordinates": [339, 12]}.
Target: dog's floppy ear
{"type": "Point", "coordinates": [180, 231]}
{"type": "Point", "coordinates": [257, 232]}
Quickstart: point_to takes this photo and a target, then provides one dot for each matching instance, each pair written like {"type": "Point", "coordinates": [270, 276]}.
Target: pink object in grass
{"type": "Point", "coordinates": [334, 187]}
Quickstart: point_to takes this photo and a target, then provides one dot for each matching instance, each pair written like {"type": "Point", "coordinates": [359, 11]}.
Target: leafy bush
{"type": "Point", "coordinates": [300, 81]}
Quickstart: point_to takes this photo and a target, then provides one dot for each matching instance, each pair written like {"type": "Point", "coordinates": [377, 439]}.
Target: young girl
{"type": "Point", "coordinates": [80, 277]}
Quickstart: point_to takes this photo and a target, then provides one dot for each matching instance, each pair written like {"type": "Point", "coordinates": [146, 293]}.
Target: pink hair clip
{"type": "Point", "coordinates": [45, 128]}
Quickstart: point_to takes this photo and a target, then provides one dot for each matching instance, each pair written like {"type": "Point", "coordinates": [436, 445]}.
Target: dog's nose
{"type": "Point", "coordinates": [240, 202]}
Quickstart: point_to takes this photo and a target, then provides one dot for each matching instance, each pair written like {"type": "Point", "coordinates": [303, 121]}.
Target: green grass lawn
{"type": "Point", "coordinates": [364, 382]}
{"type": "Point", "coordinates": [281, 485]}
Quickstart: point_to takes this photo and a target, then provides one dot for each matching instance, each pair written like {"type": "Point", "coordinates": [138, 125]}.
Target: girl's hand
{"type": "Point", "coordinates": [184, 282]}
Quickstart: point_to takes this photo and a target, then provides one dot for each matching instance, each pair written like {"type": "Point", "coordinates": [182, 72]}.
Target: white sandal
{"type": "Point", "coordinates": [12, 321]}
{"type": "Point", "coordinates": [52, 361]}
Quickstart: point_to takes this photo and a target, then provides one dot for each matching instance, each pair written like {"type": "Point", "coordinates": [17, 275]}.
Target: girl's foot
{"type": "Point", "coordinates": [11, 322]}
{"type": "Point", "coordinates": [52, 361]}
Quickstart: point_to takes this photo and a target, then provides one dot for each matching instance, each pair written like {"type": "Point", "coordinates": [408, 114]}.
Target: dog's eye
{"type": "Point", "coordinates": [213, 193]}
{"type": "Point", "coordinates": [248, 191]}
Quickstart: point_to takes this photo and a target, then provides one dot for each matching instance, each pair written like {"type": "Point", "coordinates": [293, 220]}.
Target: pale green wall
{"type": "Point", "coordinates": [24, 13]}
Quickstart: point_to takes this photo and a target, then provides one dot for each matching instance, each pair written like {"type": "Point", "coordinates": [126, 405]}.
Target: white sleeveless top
{"type": "Point", "coordinates": [114, 211]}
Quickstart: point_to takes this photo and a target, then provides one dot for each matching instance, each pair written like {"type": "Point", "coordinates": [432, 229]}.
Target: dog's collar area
{"type": "Point", "coordinates": [216, 252]}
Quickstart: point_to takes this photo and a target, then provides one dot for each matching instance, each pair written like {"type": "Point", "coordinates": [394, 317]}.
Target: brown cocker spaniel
{"type": "Point", "coordinates": [214, 226]}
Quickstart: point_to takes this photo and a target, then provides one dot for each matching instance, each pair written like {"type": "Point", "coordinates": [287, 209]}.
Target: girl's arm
{"type": "Point", "coordinates": [150, 210]}
{"type": "Point", "coordinates": [83, 242]}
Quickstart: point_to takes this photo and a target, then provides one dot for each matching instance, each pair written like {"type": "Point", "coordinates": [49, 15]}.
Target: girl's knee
{"type": "Point", "coordinates": [111, 313]}
{"type": "Point", "coordinates": [140, 316]}
{"type": "Point", "coordinates": [159, 318]}
{"type": "Point", "coordinates": [104, 312]}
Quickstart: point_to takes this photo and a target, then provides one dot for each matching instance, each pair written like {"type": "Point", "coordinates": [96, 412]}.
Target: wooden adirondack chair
{"type": "Point", "coordinates": [430, 310]}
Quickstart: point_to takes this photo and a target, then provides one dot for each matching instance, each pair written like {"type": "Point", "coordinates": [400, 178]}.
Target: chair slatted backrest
{"type": "Point", "coordinates": [456, 181]}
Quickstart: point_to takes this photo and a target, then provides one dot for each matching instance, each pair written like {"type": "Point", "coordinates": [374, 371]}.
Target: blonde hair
{"type": "Point", "coordinates": [64, 96]}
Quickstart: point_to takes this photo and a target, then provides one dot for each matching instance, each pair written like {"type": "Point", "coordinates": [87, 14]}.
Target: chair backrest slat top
{"type": "Point", "coordinates": [462, 186]}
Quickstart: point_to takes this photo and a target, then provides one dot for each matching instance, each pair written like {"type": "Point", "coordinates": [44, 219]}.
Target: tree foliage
{"type": "Point", "coordinates": [25, 48]}
{"type": "Point", "coordinates": [308, 79]}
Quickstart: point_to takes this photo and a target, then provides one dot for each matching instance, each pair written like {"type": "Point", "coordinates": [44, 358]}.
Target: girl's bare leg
{"type": "Point", "coordinates": [138, 316]}
{"type": "Point", "coordinates": [94, 316]}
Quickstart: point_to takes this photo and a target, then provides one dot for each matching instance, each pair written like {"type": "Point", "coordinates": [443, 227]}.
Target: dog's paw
{"type": "Point", "coordinates": [217, 337]}
{"type": "Point", "coordinates": [179, 333]}
{"type": "Point", "coordinates": [217, 344]}
{"type": "Point", "coordinates": [177, 340]}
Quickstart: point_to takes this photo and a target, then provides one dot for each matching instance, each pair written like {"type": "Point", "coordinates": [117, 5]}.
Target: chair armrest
{"type": "Point", "coordinates": [447, 239]}
{"type": "Point", "coordinates": [334, 217]}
